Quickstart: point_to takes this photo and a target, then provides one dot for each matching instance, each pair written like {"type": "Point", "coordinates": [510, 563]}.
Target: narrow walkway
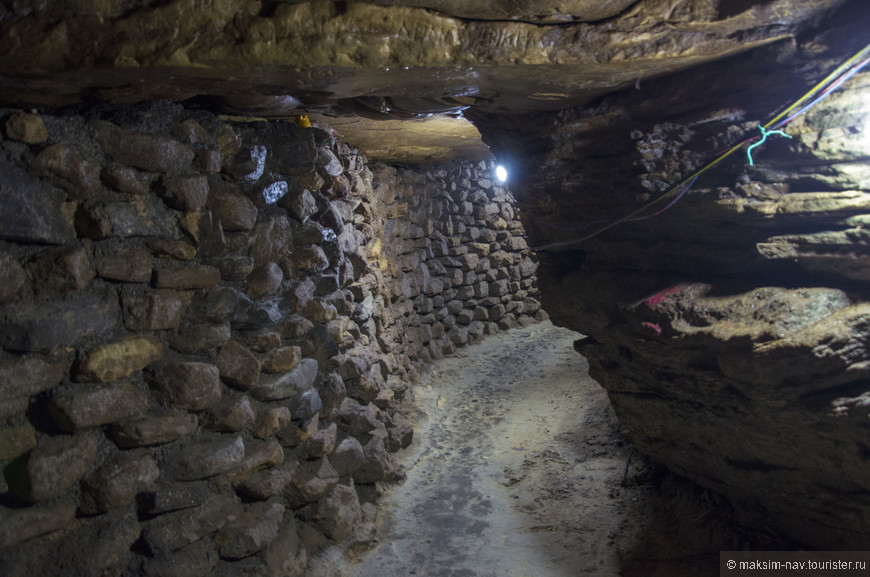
{"type": "Point", "coordinates": [516, 470]}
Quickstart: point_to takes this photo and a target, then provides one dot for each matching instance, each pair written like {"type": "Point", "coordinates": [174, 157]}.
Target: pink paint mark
{"type": "Point", "coordinates": [654, 326]}
{"type": "Point", "coordinates": [660, 297]}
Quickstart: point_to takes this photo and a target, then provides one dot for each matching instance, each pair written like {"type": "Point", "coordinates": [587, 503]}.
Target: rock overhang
{"type": "Point", "coordinates": [389, 60]}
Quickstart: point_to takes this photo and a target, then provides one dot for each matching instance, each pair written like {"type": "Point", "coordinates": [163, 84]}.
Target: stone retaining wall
{"type": "Point", "coordinates": [207, 329]}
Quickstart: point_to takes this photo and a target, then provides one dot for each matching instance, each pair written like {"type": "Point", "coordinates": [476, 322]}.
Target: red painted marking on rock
{"type": "Point", "coordinates": [654, 326]}
{"type": "Point", "coordinates": [660, 297]}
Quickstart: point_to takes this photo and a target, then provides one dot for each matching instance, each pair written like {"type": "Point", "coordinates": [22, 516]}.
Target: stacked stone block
{"type": "Point", "coordinates": [208, 329]}
{"type": "Point", "coordinates": [455, 255]}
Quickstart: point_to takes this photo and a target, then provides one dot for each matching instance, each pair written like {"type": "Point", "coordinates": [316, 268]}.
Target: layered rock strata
{"type": "Point", "coordinates": [368, 59]}
{"type": "Point", "coordinates": [730, 330]}
{"type": "Point", "coordinates": [207, 329]}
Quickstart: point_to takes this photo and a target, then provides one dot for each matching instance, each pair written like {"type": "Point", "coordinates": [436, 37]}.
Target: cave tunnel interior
{"type": "Point", "coordinates": [275, 274]}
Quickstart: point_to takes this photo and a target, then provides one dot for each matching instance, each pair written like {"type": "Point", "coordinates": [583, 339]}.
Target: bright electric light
{"type": "Point", "coordinates": [501, 173]}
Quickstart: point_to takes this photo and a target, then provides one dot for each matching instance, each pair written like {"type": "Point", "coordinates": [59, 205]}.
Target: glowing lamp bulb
{"type": "Point", "coordinates": [501, 173]}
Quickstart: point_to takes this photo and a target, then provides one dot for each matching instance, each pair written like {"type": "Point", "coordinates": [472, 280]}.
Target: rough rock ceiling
{"type": "Point", "coordinates": [537, 11]}
{"type": "Point", "coordinates": [392, 59]}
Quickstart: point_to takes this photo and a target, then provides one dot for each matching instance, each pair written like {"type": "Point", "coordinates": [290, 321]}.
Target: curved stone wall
{"type": "Point", "coordinates": [207, 329]}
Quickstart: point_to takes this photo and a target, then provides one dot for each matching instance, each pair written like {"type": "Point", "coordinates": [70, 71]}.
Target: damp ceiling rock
{"type": "Point", "coordinates": [375, 60]}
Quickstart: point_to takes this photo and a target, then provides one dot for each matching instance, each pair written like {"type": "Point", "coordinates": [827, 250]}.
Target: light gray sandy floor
{"type": "Point", "coordinates": [516, 470]}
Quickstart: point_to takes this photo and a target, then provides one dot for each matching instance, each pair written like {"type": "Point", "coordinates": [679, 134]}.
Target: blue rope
{"type": "Point", "coordinates": [764, 134]}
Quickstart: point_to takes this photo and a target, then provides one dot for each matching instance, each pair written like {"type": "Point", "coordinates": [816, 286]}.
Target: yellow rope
{"type": "Point", "coordinates": [832, 77]}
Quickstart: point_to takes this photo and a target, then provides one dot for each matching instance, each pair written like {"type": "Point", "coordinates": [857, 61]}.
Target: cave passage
{"type": "Point", "coordinates": [518, 469]}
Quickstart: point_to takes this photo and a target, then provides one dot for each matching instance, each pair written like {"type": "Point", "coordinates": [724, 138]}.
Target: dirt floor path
{"type": "Point", "coordinates": [516, 470]}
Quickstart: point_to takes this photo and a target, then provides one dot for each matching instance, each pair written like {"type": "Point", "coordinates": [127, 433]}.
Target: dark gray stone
{"type": "Point", "coordinates": [19, 525]}
{"type": "Point", "coordinates": [60, 323]}
{"type": "Point", "coordinates": [264, 280]}
{"type": "Point", "coordinates": [251, 532]}
{"type": "Point", "coordinates": [234, 268]}
{"type": "Point", "coordinates": [337, 511]}
{"type": "Point", "coordinates": [66, 168]}
{"type": "Point", "coordinates": [143, 151]}
{"type": "Point", "coordinates": [312, 480]}
{"type": "Point", "coordinates": [266, 313]}
{"type": "Point", "coordinates": [225, 303]}
{"type": "Point", "coordinates": [258, 456]}
{"type": "Point", "coordinates": [267, 483]}
{"type": "Point", "coordinates": [193, 337]}
{"type": "Point", "coordinates": [207, 161]}
{"type": "Point", "coordinates": [191, 132]}
{"type": "Point", "coordinates": [172, 248]}
{"type": "Point", "coordinates": [234, 210]}
{"type": "Point", "coordinates": [195, 560]}
{"type": "Point", "coordinates": [322, 443]}
{"type": "Point", "coordinates": [348, 457]}
{"type": "Point", "coordinates": [330, 163]}
{"type": "Point", "coordinates": [142, 216]}
{"type": "Point", "coordinates": [231, 416]}
{"type": "Point", "coordinates": [193, 386]}
{"type": "Point", "coordinates": [57, 271]}
{"type": "Point", "coordinates": [205, 459]}
{"type": "Point", "coordinates": [143, 431]}
{"type": "Point", "coordinates": [76, 410]}
{"type": "Point", "coordinates": [127, 180]}
{"type": "Point", "coordinates": [101, 546]}
{"type": "Point", "coordinates": [155, 311]}
{"type": "Point", "coordinates": [296, 326]}
{"type": "Point", "coordinates": [174, 531]}
{"type": "Point", "coordinates": [311, 259]}
{"type": "Point", "coordinates": [30, 210]}
{"type": "Point", "coordinates": [12, 276]}
{"type": "Point", "coordinates": [293, 151]}
{"type": "Point", "coordinates": [238, 366]}
{"type": "Point", "coordinates": [51, 468]}
{"type": "Point", "coordinates": [173, 497]}
{"type": "Point", "coordinates": [28, 376]}
{"type": "Point", "coordinates": [188, 277]}
{"type": "Point", "coordinates": [131, 265]}
{"type": "Point", "coordinates": [15, 441]}
{"type": "Point", "coordinates": [289, 385]}
{"type": "Point", "coordinates": [187, 193]}
{"type": "Point", "coordinates": [305, 406]}
{"type": "Point", "coordinates": [332, 392]}
{"type": "Point", "coordinates": [273, 240]}
{"type": "Point", "coordinates": [301, 204]}
{"type": "Point", "coordinates": [118, 482]}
